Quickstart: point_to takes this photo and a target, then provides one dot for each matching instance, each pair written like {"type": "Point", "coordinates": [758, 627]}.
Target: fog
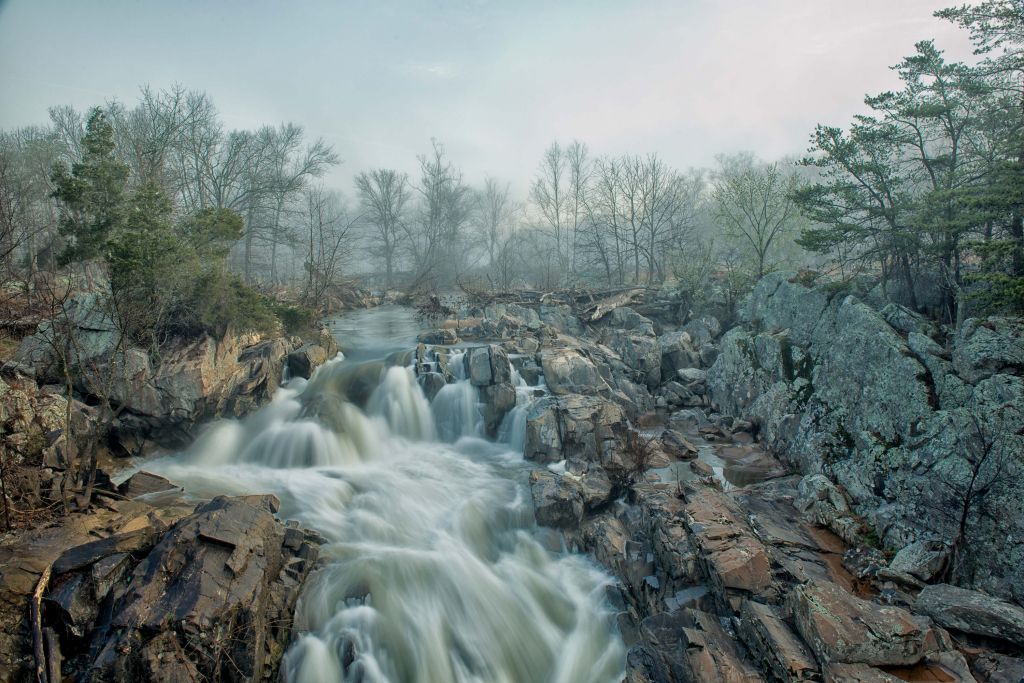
{"type": "Point", "coordinates": [495, 82]}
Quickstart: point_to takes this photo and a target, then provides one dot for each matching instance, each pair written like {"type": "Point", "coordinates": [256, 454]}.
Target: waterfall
{"type": "Point", "coordinates": [430, 570]}
{"type": "Point", "coordinates": [400, 400]}
{"type": "Point", "coordinates": [513, 427]}
{"type": "Point", "coordinates": [457, 411]}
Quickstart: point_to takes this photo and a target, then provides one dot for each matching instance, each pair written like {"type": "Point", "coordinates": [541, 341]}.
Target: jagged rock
{"type": "Point", "coordinates": [143, 483]}
{"type": "Point", "coordinates": [983, 348]}
{"type": "Point", "coordinates": [734, 560]}
{"type": "Point", "coordinates": [972, 612]}
{"type": "Point", "coordinates": [703, 330]}
{"type": "Point", "coordinates": [566, 371]}
{"type": "Point", "coordinates": [821, 502]}
{"type": "Point", "coordinates": [557, 499]}
{"type": "Point", "coordinates": [677, 352]}
{"type": "Point", "coordinates": [579, 428]}
{"type": "Point", "coordinates": [626, 318]}
{"type": "Point", "coordinates": [640, 353]}
{"type": "Point", "coordinates": [905, 320]}
{"type": "Point", "coordinates": [872, 401]}
{"type": "Point", "coordinates": [443, 337]}
{"type": "Point", "coordinates": [774, 645]}
{"type": "Point", "coordinates": [303, 360]}
{"type": "Point", "coordinates": [842, 628]}
{"type": "Point", "coordinates": [431, 383]}
{"type": "Point", "coordinates": [677, 445]}
{"type": "Point", "coordinates": [221, 585]}
{"type": "Point", "coordinates": [991, 667]}
{"type": "Point", "coordinates": [923, 559]}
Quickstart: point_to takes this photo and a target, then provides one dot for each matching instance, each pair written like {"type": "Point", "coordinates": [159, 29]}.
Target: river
{"type": "Point", "coordinates": [433, 568]}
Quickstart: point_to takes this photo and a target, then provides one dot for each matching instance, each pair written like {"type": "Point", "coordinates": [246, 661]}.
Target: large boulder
{"type": "Point", "coordinates": [625, 318]}
{"type": "Point", "coordinates": [558, 499]}
{"type": "Point", "coordinates": [983, 348]}
{"type": "Point", "coordinates": [567, 371]}
{"type": "Point", "coordinates": [897, 421]}
{"type": "Point", "coordinates": [584, 428]}
{"type": "Point", "coordinates": [222, 586]}
{"type": "Point", "coordinates": [303, 360]}
{"type": "Point", "coordinates": [972, 612]}
{"type": "Point", "coordinates": [842, 628]}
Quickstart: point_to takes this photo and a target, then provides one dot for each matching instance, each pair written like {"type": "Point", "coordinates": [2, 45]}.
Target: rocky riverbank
{"type": "Point", "coordinates": [771, 500]}
{"type": "Point", "coordinates": [136, 582]}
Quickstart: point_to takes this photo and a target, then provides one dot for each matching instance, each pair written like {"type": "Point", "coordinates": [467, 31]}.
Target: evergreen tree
{"type": "Point", "coordinates": [92, 194]}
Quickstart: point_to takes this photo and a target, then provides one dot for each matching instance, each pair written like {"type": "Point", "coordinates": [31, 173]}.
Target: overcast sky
{"type": "Point", "coordinates": [495, 81]}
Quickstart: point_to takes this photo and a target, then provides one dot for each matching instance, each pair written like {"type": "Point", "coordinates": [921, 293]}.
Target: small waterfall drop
{"type": "Point", "coordinates": [431, 570]}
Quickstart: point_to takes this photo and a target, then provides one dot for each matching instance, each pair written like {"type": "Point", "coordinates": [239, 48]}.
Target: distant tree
{"type": "Point", "coordinates": [383, 197]}
{"type": "Point", "coordinates": [435, 239]}
{"type": "Point", "coordinates": [329, 228]}
{"type": "Point", "coordinates": [753, 204]}
{"type": "Point", "coordinates": [494, 212]}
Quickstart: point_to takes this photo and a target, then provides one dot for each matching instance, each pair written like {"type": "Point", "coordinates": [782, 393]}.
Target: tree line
{"type": "Point", "coordinates": [923, 193]}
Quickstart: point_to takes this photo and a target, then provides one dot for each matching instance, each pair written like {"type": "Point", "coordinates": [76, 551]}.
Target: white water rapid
{"type": "Point", "coordinates": [432, 571]}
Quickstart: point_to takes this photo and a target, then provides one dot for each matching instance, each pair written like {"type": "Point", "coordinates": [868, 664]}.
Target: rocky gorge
{"type": "Point", "coordinates": [829, 490]}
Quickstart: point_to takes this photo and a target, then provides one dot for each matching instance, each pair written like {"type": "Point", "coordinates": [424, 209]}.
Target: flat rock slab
{"type": "Point", "coordinates": [842, 628]}
{"type": "Point", "coordinates": [774, 644]}
{"type": "Point", "coordinates": [972, 612]}
{"type": "Point", "coordinates": [734, 558]}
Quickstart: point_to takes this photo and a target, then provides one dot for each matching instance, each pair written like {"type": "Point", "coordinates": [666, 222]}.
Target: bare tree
{"type": "Point", "coordinates": [434, 240]}
{"type": "Point", "coordinates": [494, 213]}
{"type": "Point", "coordinates": [329, 229]}
{"type": "Point", "coordinates": [383, 195]}
{"type": "Point", "coordinates": [753, 204]}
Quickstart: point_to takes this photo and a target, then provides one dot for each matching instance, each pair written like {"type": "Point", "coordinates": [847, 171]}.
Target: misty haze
{"type": "Point", "coordinates": [468, 341]}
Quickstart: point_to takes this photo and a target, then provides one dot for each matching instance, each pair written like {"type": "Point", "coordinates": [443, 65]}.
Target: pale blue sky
{"type": "Point", "coordinates": [495, 81]}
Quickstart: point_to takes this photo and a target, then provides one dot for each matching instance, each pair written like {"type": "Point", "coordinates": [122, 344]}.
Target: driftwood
{"type": "Point", "coordinates": [604, 306]}
{"type": "Point", "coordinates": [36, 617]}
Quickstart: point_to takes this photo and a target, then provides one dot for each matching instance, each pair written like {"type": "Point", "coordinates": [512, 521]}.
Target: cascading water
{"type": "Point", "coordinates": [431, 570]}
{"type": "Point", "coordinates": [513, 427]}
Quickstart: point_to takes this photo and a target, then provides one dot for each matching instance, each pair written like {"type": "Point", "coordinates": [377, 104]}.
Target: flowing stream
{"type": "Point", "coordinates": [432, 570]}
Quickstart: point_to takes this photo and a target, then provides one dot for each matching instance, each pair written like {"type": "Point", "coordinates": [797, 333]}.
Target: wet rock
{"type": "Point", "coordinates": [677, 445]}
{"type": "Point", "coordinates": [585, 428]}
{"type": "Point", "coordinates": [443, 337]}
{"type": "Point", "coordinates": [431, 383]}
{"type": "Point", "coordinates": [303, 360]}
{"type": "Point", "coordinates": [557, 499]}
{"type": "Point", "coordinates": [478, 366]}
{"type": "Point", "coordinates": [857, 673]}
{"type": "Point", "coordinates": [842, 628]}
{"type": "Point", "coordinates": [82, 556]}
{"type": "Point", "coordinates": [498, 400]}
{"type": "Point", "coordinates": [923, 559]}
{"type": "Point", "coordinates": [972, 612]}
{"type": "Point", "coordinates": [774, 645]}
{"type": "Point", "coordinates": [144, 483]}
